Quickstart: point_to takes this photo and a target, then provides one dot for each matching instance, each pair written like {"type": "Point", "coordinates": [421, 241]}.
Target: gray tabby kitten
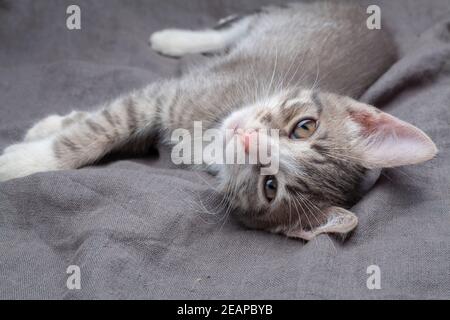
{"type": "Point", "coordinates": [297, 69]}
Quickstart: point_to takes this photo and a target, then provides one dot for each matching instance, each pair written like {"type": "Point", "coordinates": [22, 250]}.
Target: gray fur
{"type": "Point", "coordinates": [285, 51]}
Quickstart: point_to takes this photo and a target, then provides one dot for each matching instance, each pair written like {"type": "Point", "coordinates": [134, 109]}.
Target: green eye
{"type": "Point", "coordinates": [270, 188]}
{"type": "Point", "coordinates": [304, 129]}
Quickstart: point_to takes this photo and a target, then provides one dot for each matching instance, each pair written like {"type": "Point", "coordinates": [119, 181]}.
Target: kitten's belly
{"type": "Point", "coordinates": [329, 46]}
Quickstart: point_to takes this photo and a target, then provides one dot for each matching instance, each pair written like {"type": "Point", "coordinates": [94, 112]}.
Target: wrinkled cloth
{"type": "Point", "coordinates": [137, 228]}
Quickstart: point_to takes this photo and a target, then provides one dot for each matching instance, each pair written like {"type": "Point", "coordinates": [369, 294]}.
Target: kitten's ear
{"type": "Point", "coordinates": [386, 141]}
{"type": "Point", "coordinates": [339, 221]}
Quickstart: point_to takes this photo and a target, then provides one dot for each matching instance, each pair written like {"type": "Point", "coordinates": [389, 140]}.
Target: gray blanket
{"type": "Point", "coordinates": [137, 228]}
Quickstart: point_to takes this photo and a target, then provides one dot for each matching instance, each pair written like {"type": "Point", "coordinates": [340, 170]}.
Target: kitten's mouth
{"type": "Point", "coordinates": [246, 136]}
{"type": "Point", "coordinates": [237, 119]}
{"type": "Point", "coordinates": [234, 126]}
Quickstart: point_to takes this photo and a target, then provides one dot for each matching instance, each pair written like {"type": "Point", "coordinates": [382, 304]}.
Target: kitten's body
{"type": "Point", "coordinates": [322, 45]}
{"type": "Point", "coordinates": [279, 63]}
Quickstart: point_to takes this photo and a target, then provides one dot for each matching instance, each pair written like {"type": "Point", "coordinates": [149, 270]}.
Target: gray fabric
{"type": "Point", "coordinates": [133, 226]}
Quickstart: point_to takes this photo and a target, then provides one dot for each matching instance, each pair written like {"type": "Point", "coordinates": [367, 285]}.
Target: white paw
{"type": "Point", "coordinates": [176, 42]}
{"type": "Point", "coordinates": [53, 124]}
{"type": "Point", "coordinates": [168, 42]}
{"type": "Point", "coordinates": [45, 128]}
{"type": "Point", "coordinates": [23, 159]}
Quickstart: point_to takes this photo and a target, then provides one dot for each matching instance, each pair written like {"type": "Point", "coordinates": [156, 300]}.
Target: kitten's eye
{"type": "Point", "coordinates": [304, 129]}
{"type": "Point", "coordinates": [270, 188]}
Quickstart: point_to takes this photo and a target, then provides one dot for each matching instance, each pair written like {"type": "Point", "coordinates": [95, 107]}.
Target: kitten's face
{"type": "Point", "coordinates": [326, 143]}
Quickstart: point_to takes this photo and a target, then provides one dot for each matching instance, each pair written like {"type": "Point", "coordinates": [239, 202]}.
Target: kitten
{"type": "Point", "coordinates": [297, 69]}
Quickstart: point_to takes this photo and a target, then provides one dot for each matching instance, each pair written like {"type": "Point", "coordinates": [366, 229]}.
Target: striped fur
{"type": "Point", "coordinates": [280, 69]}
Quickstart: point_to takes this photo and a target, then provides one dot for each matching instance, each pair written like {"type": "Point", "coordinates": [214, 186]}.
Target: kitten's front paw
{"type": "Point", "coordinates": [53, 124]}
{"type": "Point", "coordinates": [45, 128]}
{"type": "Point", "coordinates": [23, 159]}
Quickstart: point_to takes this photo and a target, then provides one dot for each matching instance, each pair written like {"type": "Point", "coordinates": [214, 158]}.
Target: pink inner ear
{"type": "Point", "coordinates": [389, 142]}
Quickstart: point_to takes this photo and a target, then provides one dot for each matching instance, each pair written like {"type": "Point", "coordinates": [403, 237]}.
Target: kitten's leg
{"type": "Point", "coordinates": [179, 42]}
{"type": "Point", "coordinates": [126, 121]}
{"type": "Point", "coordinates": [53, 124]}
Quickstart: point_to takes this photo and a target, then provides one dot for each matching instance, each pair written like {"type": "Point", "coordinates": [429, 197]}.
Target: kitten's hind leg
{"type": "Point", "coordinates": [179, 42]}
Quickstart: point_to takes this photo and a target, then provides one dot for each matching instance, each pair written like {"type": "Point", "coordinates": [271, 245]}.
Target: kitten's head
{"type": "Point", "coordinates": [327, 143]}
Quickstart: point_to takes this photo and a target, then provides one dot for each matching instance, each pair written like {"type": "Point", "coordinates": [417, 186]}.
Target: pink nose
{"type": "Point", "coordinates": [248, 137]}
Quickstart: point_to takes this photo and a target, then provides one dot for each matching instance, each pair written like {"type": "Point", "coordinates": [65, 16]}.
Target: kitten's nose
{"type": "Point", "coordinates": [248, 137]}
